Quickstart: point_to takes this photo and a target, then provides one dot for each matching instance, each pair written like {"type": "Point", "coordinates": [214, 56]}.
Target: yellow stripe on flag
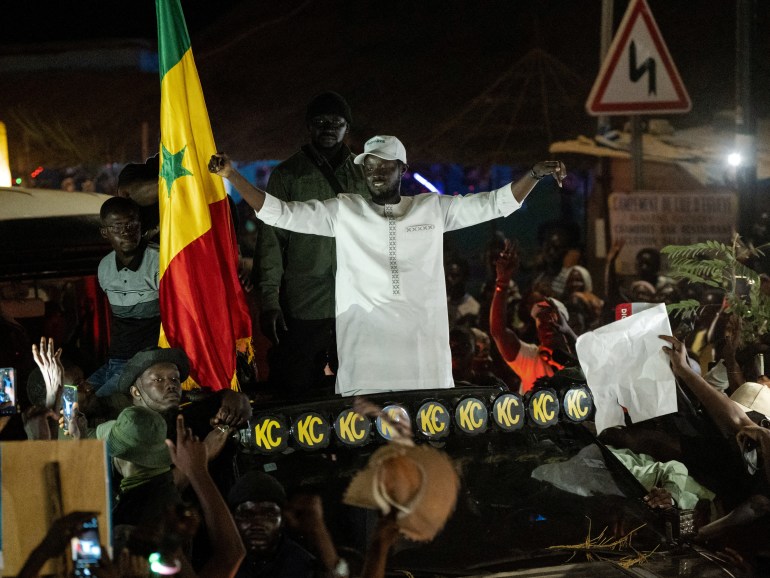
{"type": "Point", "coordinates": [202, 306]}
{"type": "Point", "coordinates": [183, 113]}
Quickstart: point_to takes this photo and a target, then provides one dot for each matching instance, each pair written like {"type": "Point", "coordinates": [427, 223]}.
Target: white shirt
{"type": "Point", "coordinates": [391, 310]}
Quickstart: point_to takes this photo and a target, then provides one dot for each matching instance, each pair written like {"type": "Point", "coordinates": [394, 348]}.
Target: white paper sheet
{"type": "Point", "coordinates": [625, 365]}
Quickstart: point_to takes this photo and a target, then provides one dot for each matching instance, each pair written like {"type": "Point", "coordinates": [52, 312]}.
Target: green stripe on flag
{"type": "Point", "coordinates": [173, 40]}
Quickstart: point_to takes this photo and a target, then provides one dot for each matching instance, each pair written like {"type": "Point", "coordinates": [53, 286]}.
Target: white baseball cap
{"type": "Point", "coordinates": [752, 396]}
{"type": "Point", "coordinates": [385, 147]}
{"type": "Point", "coordinates": [543, 304]}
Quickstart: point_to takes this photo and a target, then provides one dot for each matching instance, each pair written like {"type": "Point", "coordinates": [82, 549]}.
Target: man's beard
{"type": "Point", "coordinates": [391, 192]}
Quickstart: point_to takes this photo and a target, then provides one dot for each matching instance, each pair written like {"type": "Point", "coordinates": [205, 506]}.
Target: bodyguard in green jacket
{"type": "Point", "coordinates": [296, 271]}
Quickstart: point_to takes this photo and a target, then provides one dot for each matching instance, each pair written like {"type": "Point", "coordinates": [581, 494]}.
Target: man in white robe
{"type": "Point", "coordinates": [391, 311]}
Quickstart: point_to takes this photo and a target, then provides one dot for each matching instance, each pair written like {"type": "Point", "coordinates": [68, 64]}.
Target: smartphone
{"type": "Point", "coordinates": [8, 390]}
{"type": "Point", "coordinates": [69, 399]}
{"type": "Point", "coordinates": [86, 549]}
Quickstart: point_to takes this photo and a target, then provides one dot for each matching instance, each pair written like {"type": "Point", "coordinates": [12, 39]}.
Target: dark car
{"type": "Point", "coordinates": [540, 496]}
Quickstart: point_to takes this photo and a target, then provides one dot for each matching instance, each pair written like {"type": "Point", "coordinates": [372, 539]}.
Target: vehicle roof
{"type": "Point", "coordinates": [47, 234]}
{"type": "Point", "coordinates": [25, 203]}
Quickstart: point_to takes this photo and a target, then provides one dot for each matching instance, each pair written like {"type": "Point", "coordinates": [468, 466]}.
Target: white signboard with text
{"type": "Point", "coordinates": [659, 218]}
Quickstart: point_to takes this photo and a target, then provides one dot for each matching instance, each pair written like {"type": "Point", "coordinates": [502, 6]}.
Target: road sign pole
{"type": "Point", "coordinates": [603, 123]}
{"type": "Point", "coordinates": [637, 152]}
{"type": "Point", "coordinates": [745, 120]}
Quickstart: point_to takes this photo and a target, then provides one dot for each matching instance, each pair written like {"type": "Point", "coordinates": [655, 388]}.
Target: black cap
{"type": "Point", "coordinates": [256, 486]}
{"type": "Point", "coordinates": [329, 103]}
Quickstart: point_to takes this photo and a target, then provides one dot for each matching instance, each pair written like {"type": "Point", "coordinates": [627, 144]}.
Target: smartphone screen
{"type": "Point", "coordinates": [86, 550]}
{"type": "Point", "coordinates": [69, 398]}
{"type": "Point", "coordinates": [8, 390]}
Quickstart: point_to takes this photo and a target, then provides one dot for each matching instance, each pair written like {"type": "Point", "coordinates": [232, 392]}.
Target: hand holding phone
{"type": "Point", "coordinates": [86, 548]}
{"type": "Point", "coordinates": [69, 399]}
{"type": "Point", "coordinates": [8, 391]}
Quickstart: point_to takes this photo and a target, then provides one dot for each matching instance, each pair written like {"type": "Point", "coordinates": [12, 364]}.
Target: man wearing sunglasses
{"type": "Point", "coordinates": [295, 271]}
{"type": "Point", "coordinates": [129, 277]}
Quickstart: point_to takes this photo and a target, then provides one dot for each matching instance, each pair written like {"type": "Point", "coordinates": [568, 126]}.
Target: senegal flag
{"type": "Point", "coordinates": [202, 306]}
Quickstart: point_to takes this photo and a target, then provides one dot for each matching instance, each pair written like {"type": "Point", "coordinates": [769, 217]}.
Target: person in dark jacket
{"type": "Point", "coordinates": [295, 271]}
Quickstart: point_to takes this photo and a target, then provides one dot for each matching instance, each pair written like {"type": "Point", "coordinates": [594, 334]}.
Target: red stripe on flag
{"type": "Point", "coordinates": [198, 293]}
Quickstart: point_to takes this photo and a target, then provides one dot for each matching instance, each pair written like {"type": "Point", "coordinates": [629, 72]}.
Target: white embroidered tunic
{"type": "Point", "coordinates": [391, 309]}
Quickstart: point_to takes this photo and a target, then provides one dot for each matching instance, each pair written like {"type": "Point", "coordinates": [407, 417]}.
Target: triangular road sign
{"type": "Point", "coordinates": [638, 75]}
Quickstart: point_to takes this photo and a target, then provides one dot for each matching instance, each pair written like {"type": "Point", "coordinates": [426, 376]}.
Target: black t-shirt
{"type": "Point", "coordinates": [130, 335]}
{"type": "Point", "coordinates": [146, 505]}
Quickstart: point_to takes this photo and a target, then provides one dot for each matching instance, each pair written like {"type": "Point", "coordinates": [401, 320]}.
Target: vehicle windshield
{"type": "Point", "coordinates": [528, 497]}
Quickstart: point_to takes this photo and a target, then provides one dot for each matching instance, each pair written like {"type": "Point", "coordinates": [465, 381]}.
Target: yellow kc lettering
{"type": "Point", "coordinates": [540, 412]}
{"type": "Point", "coordinates": [429, 422]}
{"type": "Point", "coordinates": [306, 430]}
{"type": "Point", "coordinates": [468, 418]}
{"type": "Point", "coordinates": [348, 430]}
{"type": "Point", "coordinates": [504, 417]}
{"type": "Point", "coordinates": [575, 408]}
{"type": "Point", "coordinates": [386, 429]}
{"type": "Point", "coordinates": [263, 434]}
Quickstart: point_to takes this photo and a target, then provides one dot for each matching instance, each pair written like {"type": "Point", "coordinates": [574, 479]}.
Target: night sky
{"type": "Point", "coordinates": [35, 21]}
{"type": "Point", "coordinates": [417, 68]}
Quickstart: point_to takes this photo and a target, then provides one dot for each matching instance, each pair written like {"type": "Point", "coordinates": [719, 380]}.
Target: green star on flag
{"type": "Point", "coordinates": [172, 167]}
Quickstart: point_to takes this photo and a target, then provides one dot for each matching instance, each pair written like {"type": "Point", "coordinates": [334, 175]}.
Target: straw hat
{"type": "Point", "coordinates": [419, 482]}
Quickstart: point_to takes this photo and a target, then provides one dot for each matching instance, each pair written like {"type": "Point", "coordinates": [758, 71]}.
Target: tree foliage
{"type": "Point", "coordinates": [722, 266]}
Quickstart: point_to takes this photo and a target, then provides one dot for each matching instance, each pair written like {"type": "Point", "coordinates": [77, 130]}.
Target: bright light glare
{"type": "Point", "coordinates": [734, 159]}
{"type": "Point", "coordinates": [164, 569]}
{"type": "Point", "coordinates": [425, 183]}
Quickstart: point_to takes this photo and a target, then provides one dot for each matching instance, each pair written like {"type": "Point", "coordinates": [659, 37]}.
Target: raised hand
{"type": "Point", "coordinates": [188, 453]}
{"type": "Point", "coordinates": [48, 359]}
{"type": "Point", "coordinates": [677, 354]}
{"type": "Point", "coordinates": [507, 263]}
{"type": "Point", "coordinates": [220, 165]}
{"type": "Point", "coordinates": [545, 168]}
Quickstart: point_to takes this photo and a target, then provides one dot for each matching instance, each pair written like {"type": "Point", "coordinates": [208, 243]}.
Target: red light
{"type": "Point", "coordinates": [36, 172]}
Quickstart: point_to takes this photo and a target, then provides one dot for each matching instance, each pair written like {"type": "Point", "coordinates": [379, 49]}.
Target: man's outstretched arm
{"type": "Point", "coordinates": [525, 184]}
{"type": "Point", "coordinates": [312, 217]}
{"type": "Point", "coordinates": [220, 165]}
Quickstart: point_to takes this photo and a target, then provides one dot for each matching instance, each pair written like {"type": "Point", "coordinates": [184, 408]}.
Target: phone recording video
{"type": "Point", "coordinates": [86, 549]}
{"type": "Point", "coordinates": [7, 391]}
{"type": "Point", "coordinates": [69, 399]}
